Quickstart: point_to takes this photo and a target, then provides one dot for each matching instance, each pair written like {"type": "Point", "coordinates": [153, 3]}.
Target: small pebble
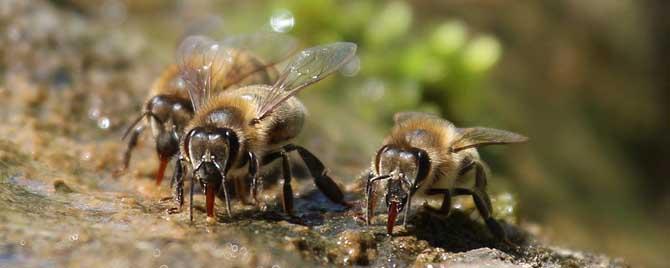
{"type": "Point", "coordinates": [61, 187]}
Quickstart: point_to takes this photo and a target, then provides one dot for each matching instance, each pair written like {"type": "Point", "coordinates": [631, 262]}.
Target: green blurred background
{"type": "Point", "coordinates": [587, 81]}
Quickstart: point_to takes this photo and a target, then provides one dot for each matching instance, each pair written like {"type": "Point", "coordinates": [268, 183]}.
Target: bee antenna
{"type": "Point", "coordinates": [134, 124]}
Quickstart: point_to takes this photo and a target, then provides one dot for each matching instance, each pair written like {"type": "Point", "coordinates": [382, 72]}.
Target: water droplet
{"type": "Point", "coordinates": [93, 113]}
{"type": "Point", "coordinates": [180, 83]}
{"type": "Point", "coordinates": [282, 21]}
{"type": "Point", "coordinates": [352, 67]}
{"type": "Point", "coordinates": [103, 122]}
{"type": "Point", "coordinates": [157, 253]}
{"type": "Point", "coordinates": [86, 156]}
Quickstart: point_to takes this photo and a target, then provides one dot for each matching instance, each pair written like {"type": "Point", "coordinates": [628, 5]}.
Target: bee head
{"type": "Point", "coordinates": [211, 151]}
{"type": "Point", "coordinates": [167, 116]}
{"type": "Point", "coordinates": [404, 169]}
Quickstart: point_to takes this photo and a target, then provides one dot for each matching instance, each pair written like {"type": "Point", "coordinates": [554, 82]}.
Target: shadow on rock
{"type": "Point", "coordinates": [459, 233]}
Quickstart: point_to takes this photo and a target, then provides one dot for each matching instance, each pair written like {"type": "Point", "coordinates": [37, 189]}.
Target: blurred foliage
{"type": "Point", "coordinates": [406, 64]}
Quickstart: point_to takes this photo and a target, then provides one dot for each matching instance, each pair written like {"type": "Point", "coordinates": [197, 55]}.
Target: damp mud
{"type": "Point", "coordinates": [70, 84]}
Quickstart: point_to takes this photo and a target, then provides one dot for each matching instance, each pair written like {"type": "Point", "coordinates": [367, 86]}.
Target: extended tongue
{"type": "Point", "coordinates": [392, 214]}
{"type": "Point", "coordinates": [161, 169]}
{"type": "Point", "coordinates": [210, 192]}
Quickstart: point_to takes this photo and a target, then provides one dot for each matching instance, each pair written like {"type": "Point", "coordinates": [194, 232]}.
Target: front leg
{"type": "Point", "coordinates": [177, 184]}
{"type": "Point", "coordinates": [320, 175]}
{"type": "Point", "coordinates": [127, 153]}
{"type": "Point", "coordinates": [370, 199]}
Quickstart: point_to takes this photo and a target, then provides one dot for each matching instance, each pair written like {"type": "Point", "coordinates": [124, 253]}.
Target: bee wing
{"type": "Point", "coordinates": [201, 61]}
{"type": "Point", "coordinates": [206, 65]}
{"type": "Point", "coordinates": [268, 47]}
{"type": "Point", "coordinates": [306, 68]}
{"type": "Point", "coordinates": [480, 136]}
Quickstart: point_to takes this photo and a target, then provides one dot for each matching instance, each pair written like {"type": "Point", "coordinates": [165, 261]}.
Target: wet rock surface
{"type": "Point", "coordinates": [68, 91]}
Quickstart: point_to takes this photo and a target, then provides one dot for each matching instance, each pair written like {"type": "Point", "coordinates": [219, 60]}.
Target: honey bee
{"type": "Point", "coordinates": [429, 158]}
{"type": "Point", "coordinates": [245, 60]}
{"type": "Point", "coordinates": [234, 133]}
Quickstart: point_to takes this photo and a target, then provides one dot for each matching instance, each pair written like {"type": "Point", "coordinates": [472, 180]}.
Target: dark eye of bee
{"type": "Point", "coordinates": [197, 145]}
{"type": "Point", "coordinates": [163, 108]}
{"type": "Point", "coordinates": [408, 164]}
{"type": "Point", "coordinates": [218, 146]}
{"type": "Point", "coordinates": [160, 107]}
{"type": "Point", "coordinates": [388, 160]}
{"type": "Point", "coordinates": [423, 164]}
{"type": "Point", "coordinates": [182, 112]}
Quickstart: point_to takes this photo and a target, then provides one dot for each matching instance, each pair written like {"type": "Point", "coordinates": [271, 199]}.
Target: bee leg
{"type": "Point", "coordinates": [318, 171]}
{"type": "Point", "coordinates": [224, 187]}
{"type": "Point", "coordinates": [178, 185]}
{"type": "Point", "coordinates": [190, 203]}
{"type": "Point", "coordinates": [287, 191]}
{"type": "Point", "coordinates": [480, 191]}
{"type": "Point", "coordinates": [483, 204]}
{"type": "Point", "coordinates": [408, 207]}
{"type": "Point", "coordinates": [445, 208]}
{"type": "Point", "coordinates": [370, 199]}
{"type": "Point", "coordinates": [132, 143]}
{"type": "Point", "coordinates": [253, 173]}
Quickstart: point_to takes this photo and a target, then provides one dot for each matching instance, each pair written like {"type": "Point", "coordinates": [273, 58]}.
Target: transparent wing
{"type": "Point", "coordinates": [201, 62]}
{"type": "Point", "coordinates": [306, 68]}
{"type": "Point", "coordinates": [265, 49]}
{"type": "Point", "coordinates": [206, 65]}
{"type": "Point", "coordinates": [480, 136]}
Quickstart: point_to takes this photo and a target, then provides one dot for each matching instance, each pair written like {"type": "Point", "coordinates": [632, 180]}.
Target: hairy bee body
{"type": "Point", "coordinates": [236, 109]}
{"type": "Point", "coordinates": [428, 158]}
{"type": "Point", "coordinates": [435, 137]}
{"type": "Point", "coordinates": [167, 109]}
{"type": "Point", "coordinates": [236, 133]}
